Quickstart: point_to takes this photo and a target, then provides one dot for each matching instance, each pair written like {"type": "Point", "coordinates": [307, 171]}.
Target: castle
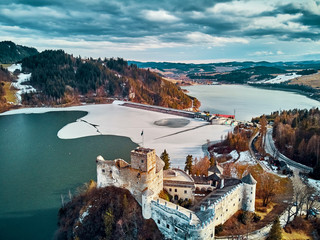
{"type": "Point", "coordinates": [145, 178]}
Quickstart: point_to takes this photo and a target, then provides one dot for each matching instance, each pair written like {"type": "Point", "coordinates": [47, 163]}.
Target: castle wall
{"type": "Point", "coordinates": [176, 222]}
{"type": "Point", "coordinates": [229, 204]}
{"type": "Point", "coordinates": [110, 174]}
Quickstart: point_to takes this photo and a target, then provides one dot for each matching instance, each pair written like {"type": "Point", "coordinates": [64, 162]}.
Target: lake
{"type": "Point", "coordinates": [247, 101]}
{"type": "Point", "coordinates": [36, 167]}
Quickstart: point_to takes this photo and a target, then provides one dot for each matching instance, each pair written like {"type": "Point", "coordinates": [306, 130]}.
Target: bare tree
{"type": "Point", "coordinates": [263, 130]}
{"type": "Point", "coordinates": [267, 188]}
{"type": "Point", "coordinates": [310, 200]}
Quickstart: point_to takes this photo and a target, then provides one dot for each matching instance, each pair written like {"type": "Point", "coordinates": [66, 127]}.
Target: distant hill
{"type": "Point", "coordinates": [12, 53]}
{"type": "Point", "coordinates": [61, 78]}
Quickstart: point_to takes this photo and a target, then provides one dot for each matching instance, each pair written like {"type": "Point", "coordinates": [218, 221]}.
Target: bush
{"type": "Point", "coordinates": [256, 218]}
{"type": "Point", "coordinates": [165, 195]}
{"type": "Point", "coordinates": [218, 229]}
{"type": "Point", "coordinates": [244, 217]}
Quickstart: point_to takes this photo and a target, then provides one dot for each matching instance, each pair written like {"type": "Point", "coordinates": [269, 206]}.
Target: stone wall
{"type": "Point", "coordinates": [228, 204]}
{"type": "Point", "coordinates": [176, 222]}
{"type": "Point", "coordinates": [110, 173]}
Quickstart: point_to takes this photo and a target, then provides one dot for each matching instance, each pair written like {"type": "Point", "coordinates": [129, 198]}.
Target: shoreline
{"type": "Point", "coordinates": [112, 119]}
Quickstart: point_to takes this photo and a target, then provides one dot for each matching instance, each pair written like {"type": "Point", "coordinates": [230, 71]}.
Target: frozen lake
{"type": "Point", "coordinates": [247, 101]}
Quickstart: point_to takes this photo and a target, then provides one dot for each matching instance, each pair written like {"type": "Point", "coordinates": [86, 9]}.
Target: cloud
{"type": "Point", "coordinates": [198, 37]}
{"type": "Point", "coordinates": [159, 16]}
{"type": "Point", "coordinates": [141, 25]}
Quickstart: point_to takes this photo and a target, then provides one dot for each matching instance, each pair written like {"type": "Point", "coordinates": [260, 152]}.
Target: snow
{"type": "Point", "coordinates": [23, 77]}
{"type": "Point", "coordinates": [14, 67]}
{"type": "Point", "coordinates": [245, 158]}
{"type": "Point", "coordinates": [280, 78]}
{"type": "Point", "coordinates": [84, 214]}
{"type": "Point", "coordinates": [315, 184]}
{"type": "Point", "coordinates": [114, 119]}
{"type": "Point", "coordinates": [234, 154]}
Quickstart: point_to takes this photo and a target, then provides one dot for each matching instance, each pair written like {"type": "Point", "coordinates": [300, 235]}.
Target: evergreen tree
{"type": "Point", "coordinates": [275, 231]}
{"type": "Point", "coordinates": [188, 167]}
{"type": "Point", "coordinates": [165, 157]}
{"type": "Point", "coordinates": [108, 219]}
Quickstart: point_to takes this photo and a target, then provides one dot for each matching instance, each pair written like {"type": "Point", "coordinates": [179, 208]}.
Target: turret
{"type": "Point", "coordinates": [249, 193]}
{"type": "Point", "coordinates": [143, 159]}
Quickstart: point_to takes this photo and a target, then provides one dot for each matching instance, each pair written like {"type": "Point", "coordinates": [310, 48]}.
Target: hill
{"type": "Point", "coordinates": [61, 78]}
{"type": "Point", "coordinates": [105, 213]}
{"type": "Point", "coordinates": [12, 53]}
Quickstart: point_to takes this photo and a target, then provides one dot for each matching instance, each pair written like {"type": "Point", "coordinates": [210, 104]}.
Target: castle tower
{"type": "Point", "coordinates": [143, 159]}
{"type": "Point", "coordinates": [249, 193]}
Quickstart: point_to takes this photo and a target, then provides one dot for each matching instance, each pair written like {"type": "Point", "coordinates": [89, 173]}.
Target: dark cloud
{"type": "Point", "coordinates": [127, 20]}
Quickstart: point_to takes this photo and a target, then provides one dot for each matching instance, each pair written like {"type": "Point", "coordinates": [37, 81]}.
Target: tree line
{"type": "Point", "coordinates": [297, 134]}
{"type": "Point", "coordinates": [56, 74]}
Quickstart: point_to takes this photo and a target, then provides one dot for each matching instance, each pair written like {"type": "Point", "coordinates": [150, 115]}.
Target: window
{"type": "Point", "coordinates": [168, 226]}
{"type": "Point", "coordinates": [158, 221]}
{"type": "Point", "coordinates": [185, 191]}
{"type": "Point", "coordinates": [176, 197]}
{"type": "Point", "coordinates": [170, 189]}
{"type": "Point", "coordinates": [251, 192]}
{"type": "Point", "coordinates": [175, 190]}
{"type": "Point", "coordinates": [176, 230]}
{"type": "Point", "coordinates": [239, 199]}
{"type": "Point", "coordinates": [226, 210]}
{"type": "Point", "coordinates": [103, 170]}
{"type": "Point", "coordinates": [142, 161]}
{"type": "Point", "coordinates": [250, 200]}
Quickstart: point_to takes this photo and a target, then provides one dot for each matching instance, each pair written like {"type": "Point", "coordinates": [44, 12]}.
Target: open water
{"type": "Point", "coordinates": [36, 167]}
{"type": "Point", "coordinates": [246, 101]}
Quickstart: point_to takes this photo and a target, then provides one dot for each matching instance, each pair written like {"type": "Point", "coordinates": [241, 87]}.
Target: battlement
{"type": "Point", "coordinates": [141, 150]}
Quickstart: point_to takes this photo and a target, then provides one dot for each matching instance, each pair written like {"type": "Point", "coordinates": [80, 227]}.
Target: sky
{"type": "Point", "coordinates": [199, 31]}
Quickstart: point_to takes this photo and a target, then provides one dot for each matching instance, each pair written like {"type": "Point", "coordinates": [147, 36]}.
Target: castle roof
{"type": "Point", "coordinates": [176, 174]}
{"type": "Point", "coordinates": [214, 177]}
{"type": "Point", "coordinates": [249, 179]}
{"type": "Point", "coordinates": [216, 169]}
{"type": "Point", "coordinates": [159, 164]}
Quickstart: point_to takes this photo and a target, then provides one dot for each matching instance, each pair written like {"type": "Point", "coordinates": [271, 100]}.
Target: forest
{"type": "Point", "coordinates": [241, 76]}
{"type": "Point", "coordinates": [11, 53]}
{"type": "Point", "coordinates": [59, 77]}
{"type": "Point", "coordinates": [297, 134]}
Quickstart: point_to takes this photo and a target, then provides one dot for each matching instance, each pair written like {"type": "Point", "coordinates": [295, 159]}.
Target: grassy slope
{"type": "Point", "coordinates": [312, 80]}
{"type": "Point", "coordinates": [10, 93]}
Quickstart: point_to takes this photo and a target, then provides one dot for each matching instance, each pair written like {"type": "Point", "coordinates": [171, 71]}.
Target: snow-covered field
{"type": "Point", "coordinates": [22, 77]}
{"type": "Point", "coordinates": [114, 119]}
{"type": "Point", "coordinates": [280, 78]}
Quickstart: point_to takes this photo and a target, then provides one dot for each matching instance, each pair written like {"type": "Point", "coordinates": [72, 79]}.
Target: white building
{"type": "Point", "coordinates": [144, 178]}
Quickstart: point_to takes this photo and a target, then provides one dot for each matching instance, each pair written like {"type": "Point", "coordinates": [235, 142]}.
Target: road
{"type": "Point", "coordinates": [271, 149]}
